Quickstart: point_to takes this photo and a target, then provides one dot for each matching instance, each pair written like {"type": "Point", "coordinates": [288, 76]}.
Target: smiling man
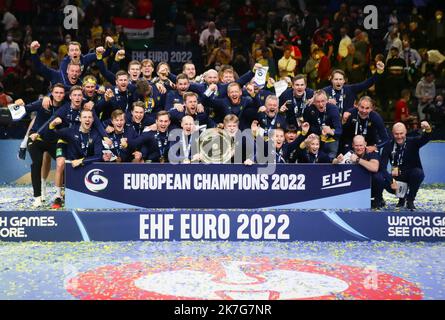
{"type": "Point", "coordinates": [366, 122]}
{"type": "Point", "coordinates": [403, 155]}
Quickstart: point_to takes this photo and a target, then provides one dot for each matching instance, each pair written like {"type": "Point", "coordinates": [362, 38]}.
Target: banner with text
{"type": "Point", "coordinates": [174, 56]}
{"type": "Point", "coordinates": [292, 186]}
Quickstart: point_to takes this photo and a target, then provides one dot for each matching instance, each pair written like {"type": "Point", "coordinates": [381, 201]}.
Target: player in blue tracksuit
{"type": "Point", "coordinates": [259, 94]}
{"type": "Point", "coordinates": [212, 86]}
{"type": "Point", "coordinates": [120, 136]}
{"type": "Point", "coordinates": [245, 108]}
{"type": "Point", "coordinates": [68, 79]}
{"type": "Point", "coordinates": [89, 88]}
{"type": "Point", "coordinates": [190, 108]}
{"type": "Point", "coordinates": [324, 120]}
{"type": "Point", "coordinates": [175, 97]}
{"type": "Point", "coordinates": [154, 144]}
{"type": "Point", "coordinates": [75, 54]}
{"type": "Point", "coordinates": [121, 96]}
{"type": "Point", "coordinates": [402, 153]}
{"type": "Point", "coordinates": [343, 95]}
{"type": "Point", "coordinates": [308, 150]}
{"type": "Point", "coordinates": [269, 118]}
{"type": "Point", "coordinates": [366, 122]}
{"type": "Point", "coordinates": [293, 101]}
{"type": "Point", "coordinates": [281, 150]}
{"type": "Point", "coordinates": [136, 119]}
{"type": "Point", "coordinates": [186, 145]}
{"type": "Point", "coordinates": [68, 115]}
{"type": "Point", "coordinates": [84, 143]}
{"type": "Point", "coordinates": [43, 141]}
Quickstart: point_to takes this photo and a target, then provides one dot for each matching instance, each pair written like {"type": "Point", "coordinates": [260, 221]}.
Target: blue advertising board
{"type": "Point", "coordinates": [221, 225]}
{"type": "Point", "coordinates": [217, 186]}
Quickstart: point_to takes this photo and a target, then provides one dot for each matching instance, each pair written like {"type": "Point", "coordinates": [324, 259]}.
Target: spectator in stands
{"type": "Point", "coordinates": [436, 31]}
{"type": "Point", "coordinates": [425, 93]}
{"type": "Point", "coordinates": [4, 98]}
{"type": "Point", "coordinates": [416, 36]}
{"type": "Point", "coordinates": [206, 33]}
{"type": "Point", "coordinates": [401, 113]}
{"type": "Point", "coordinates": [9, 52]}
{"type": "Point", "coordinates": [48, 56]}
{"type": "Point", "coordinates": [344, 43]}
{"type": "Point", "coordinates": [395, 77]}
{"type": "Point", "coordinates": [247, 14]}
{"type": "Point", "coordinates": [96, 30]}
{"type": "Point", "coordinates": [221, 55]}
{"type": "Point", "coordinates": [8, 20]}
{"type": "Point", "coordinates": [63, 48]}
{"type": "Point", "coordinates": [354, 65]}
{"type": "Point", "coordinates": [393, 41]}
{"type": "Point", "coordinates": [412, 60]}
{"type": "Point", "coordinates": [312, 66]}
{"type": "Point", "coordinates": [287, 64]}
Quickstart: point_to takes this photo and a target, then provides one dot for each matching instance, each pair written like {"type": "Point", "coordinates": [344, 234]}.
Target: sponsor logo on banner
{"type": "Point", "coordinates": [94, 181]}
{"type": "Point", "coordinates": [245, 279]}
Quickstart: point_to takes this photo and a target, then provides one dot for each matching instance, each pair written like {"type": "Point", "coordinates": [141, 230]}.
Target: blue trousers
{"type": "Point", "coordinates": [413, 177]}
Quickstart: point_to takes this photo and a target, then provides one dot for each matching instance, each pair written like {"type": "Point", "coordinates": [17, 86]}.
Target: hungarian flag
{"type": "Point", "coordinates": [136, 29]}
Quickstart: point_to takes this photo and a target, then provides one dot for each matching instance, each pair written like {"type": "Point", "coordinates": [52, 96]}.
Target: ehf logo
{"type": "Point", "coordinates": [249, 278]}
{"type": "Point", "coordinates": [94, 181]}
{"type": "Point", "coordinates": [337, 180]}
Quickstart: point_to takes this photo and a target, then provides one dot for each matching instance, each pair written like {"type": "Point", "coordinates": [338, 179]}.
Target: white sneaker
{"type": "Point", "coordinates": [37, 202]}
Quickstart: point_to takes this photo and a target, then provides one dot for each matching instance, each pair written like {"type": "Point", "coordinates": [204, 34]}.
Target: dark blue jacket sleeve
{"type": "Point", "coordinates": [198, 88]}
{"type": "Point", "coordinates": [108, 75]}
{"type": "Point", "coordinates": [381, 130]}
{"type": "Point", "coordinates": [245, 78]}
{"type": "Point", "coordinates": [172, 77]}
{"type": "Point", "coordinates": [89, 58]}
{"type": "Point", "coordinates": [423, 139]}
{"type": "Point", "coordinates": [361, 86]}
{"type": "Point", "coordinates": [97, 156]}
{"type": "Point", "coordinates": [98, 125]}
{"type": "Point", "coordinates": [48, 73]}
{"type": "Point", "coordinates": [33, 106]}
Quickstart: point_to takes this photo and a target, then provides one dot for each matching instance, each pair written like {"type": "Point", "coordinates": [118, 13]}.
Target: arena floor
{"type": "Point", "coordinates": [222, 270]}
